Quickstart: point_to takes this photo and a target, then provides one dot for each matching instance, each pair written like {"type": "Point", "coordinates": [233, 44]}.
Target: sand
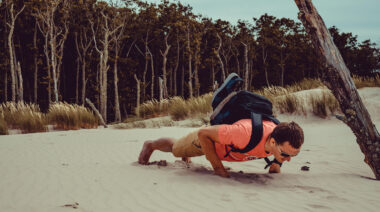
{"type": "Point", "coordinates": [96, 170]}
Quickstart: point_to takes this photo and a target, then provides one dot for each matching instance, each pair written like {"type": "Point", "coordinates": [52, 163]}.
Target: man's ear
{"type": "Point", "coordinates": [272, 142]}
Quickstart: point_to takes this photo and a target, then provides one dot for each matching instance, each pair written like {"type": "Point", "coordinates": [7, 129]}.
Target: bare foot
{"type": "Point", "coordinates": [145, 153]}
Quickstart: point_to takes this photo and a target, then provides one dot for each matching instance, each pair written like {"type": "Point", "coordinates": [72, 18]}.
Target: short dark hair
{"type": "Point", "coordinates": [291, 132]}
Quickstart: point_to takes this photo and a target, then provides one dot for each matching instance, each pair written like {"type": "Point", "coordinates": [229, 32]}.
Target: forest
{"type": "Point", "coordinates": [119, 55]}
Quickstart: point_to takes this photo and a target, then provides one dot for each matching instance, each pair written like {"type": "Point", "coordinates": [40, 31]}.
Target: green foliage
{"type": "Point", "coordinates": [71, 117]}
{"type": "Point", "coordinates": [26, 117]}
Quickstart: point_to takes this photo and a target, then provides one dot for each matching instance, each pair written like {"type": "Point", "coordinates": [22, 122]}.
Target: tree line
{"type": "Point", "coordinates": [119, 55]}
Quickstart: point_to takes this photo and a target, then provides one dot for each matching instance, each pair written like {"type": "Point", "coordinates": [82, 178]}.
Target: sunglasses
{"type": "Point", "coordinates": [284, 154]}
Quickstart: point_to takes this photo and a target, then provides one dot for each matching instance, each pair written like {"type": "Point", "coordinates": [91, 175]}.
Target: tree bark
{"type": "Point", "coordinates": [265, 56]}
{"type": "Point", "coordinates": [337, 78]}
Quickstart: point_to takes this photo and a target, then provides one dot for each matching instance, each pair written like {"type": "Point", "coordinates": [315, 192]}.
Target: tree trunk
{"type": "Point", "coordinates": [196, 77]}
{"type": "Point", "coordinates": [152, 69]}
{"type": "Point", "coordinates": [20, 83]}
{"type": "Point", "coordinates": [190, 84]}
{"type": "Point", "coordinates": [35, 87]}
{"type": "Point", "coordinates": [183, 81]}
{"type": "Point", "coordinates": [116, 87]}
{"type": "Point", "coordinates": [96, 112]}
{"type": "Point", "coordinates": [246, 70]}
{"type": "Point", "coordinates": [6, 86]}
{"type": "Point", "coordinates": [265, 56]}
{"type": "Point", "coordinates": [337, 78]}
{"type": "Point", "coordinates": [161, 86]}
{"type": "Point", "coordinates": [77, 83]}
{"type": "Point", "coordinates": [219, 58]}
{"type": "Point", "coordinates": [84, 81]}
{"type": "Point", "coordinates": [176, 68]}
{"type": "Point", "coordinates": [164, 61]}
{"type": "Point", "coordinates": [138, 95]}
{"type": "Point", "coordinates": [12, 60]}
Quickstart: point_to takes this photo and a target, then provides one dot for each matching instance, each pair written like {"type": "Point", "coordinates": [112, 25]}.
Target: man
{"type": "Point", "coordinates": [283, 141]}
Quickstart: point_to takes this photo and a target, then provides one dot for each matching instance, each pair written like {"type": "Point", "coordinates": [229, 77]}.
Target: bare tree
{"type": "Point", "coordinates": [219, 58]}
{"type": "Point", "coordinates": [83, 44]}
{"type": "Point", "coordinates": [12, 56]}
{"type": "Point", "coordinates": [190, 83]}
{"type": "Point", "coordinates": [337, 78]}
{"type": "Point", "coordinates": [108, 29]}
{"type": "Point", "coordinates": [55, 34]}
{"type": "Point", "coordinates": [164, 61]}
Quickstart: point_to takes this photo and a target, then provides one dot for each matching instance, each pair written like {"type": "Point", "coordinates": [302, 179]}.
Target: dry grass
{"type": "Point", "coordinates": [289, 103]}
{"type": "Point", "coordinates": [3, 126]}
{"type": "Point", "coordinates": [65, 116]}
{"type": "Point", "coordinates": [361, 82]}
{"type": "Point", "coordinates": [26, 117]}
{"type": "Point", "coordinates": [176, 107]}
{"type": "Point", "coordinates": [324, 104]}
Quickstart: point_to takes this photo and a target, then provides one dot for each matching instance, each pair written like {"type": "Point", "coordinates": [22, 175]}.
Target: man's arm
{"type": "Point", "coordinates": [208, 136]}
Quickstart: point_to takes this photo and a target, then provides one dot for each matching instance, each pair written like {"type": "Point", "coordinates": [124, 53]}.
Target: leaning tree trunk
{"type": "Point", "coordinates": [337, 78]}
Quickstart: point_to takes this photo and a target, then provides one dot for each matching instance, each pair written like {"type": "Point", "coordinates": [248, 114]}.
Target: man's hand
{"type": "Point", "coordinates": [275, 168]}
{"type": "Point", "coordinates": [221, 172]}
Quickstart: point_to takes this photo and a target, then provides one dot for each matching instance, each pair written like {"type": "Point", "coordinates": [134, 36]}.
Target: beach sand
{"type": "Point", "coordinates": [97, 170]}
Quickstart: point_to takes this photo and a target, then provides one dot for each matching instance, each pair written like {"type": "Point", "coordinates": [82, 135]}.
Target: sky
{"type": "Point", "coordinates": [360, 17]}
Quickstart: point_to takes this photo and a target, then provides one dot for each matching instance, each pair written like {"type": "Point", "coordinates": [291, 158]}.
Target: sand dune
{"type": "Point", "coordinates": [96, 170]}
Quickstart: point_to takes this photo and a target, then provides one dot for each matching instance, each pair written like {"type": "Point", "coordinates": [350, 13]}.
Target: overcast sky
{"type": "Point", "coordinates": [361, 17]}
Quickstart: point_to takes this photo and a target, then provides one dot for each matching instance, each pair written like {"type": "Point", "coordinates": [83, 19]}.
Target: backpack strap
{"type": "Point", "coordinates": [269, 163]}
{"type": "Point", "coordinates": [256, 135]}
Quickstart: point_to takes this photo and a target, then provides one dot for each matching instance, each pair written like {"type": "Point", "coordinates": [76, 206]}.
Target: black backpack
{"type": "Point", "coordinates": [231, 105]}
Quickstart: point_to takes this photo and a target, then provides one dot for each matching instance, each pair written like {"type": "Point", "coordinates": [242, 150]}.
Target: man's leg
{"type": "Point", "coordinates": [162, 144]}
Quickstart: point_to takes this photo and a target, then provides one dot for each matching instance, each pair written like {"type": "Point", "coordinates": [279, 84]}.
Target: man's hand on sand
{"type": "Point", "coordinates": [222, 172]}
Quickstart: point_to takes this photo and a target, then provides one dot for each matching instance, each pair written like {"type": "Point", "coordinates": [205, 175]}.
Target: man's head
{"type": "Point", "coordinates": [286, 140]}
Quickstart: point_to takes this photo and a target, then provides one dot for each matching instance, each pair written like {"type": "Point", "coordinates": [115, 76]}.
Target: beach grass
{"type": "Point", "coordinates": [26, 117]}
{"type": "Point", "coordinates": [66, 116]}
{"type": "Point", "coordinates": [3, 126]}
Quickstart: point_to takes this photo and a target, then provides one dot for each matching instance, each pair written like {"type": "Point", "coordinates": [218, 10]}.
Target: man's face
{"type": "Point", "coordinates": [285, 152]}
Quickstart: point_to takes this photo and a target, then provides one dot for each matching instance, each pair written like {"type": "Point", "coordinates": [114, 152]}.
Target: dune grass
{"type": "Point", "coordinates": [177, 107]}
{"type": "Point", "coordinates": [26, 117]}
{"type": "Point", "coordinates": [66, 116]}
{"type": "Point", "coordinates": [3, 126]}
{"type": "Point", "coordinates": [324, 104]}
{"type": "Point", "coordinates": [361, 82]}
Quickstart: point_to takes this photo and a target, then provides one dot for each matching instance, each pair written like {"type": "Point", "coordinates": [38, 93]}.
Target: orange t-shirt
{"type": "Point", "coordinates": [238, 134]}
